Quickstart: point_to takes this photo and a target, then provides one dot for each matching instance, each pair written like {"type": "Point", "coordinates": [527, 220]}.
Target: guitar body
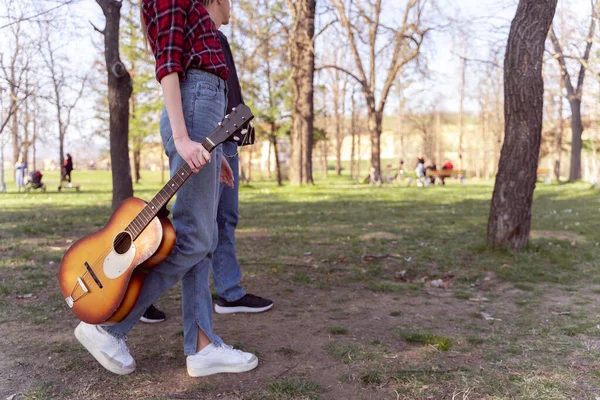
{"type": "Point", "coordinates": [98, 280]}
{"type": "Point", "coordinates": [137, 279]}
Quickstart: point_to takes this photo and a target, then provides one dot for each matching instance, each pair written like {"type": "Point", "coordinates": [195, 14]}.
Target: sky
{"type": "Point", "coordinates": [487, 21]}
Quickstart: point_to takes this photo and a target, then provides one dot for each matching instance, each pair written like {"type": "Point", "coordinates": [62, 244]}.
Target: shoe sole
{"type": "Point", "coordinates": [151, 321]}
{"type": "Point", "coordinates": [233, 310]}
{"type": "Point", "coordinates": [222, 369]}
{"type": "Point", "coordinates": [102, 358]}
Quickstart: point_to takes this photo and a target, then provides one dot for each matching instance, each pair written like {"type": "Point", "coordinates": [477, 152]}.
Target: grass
{"type": "Point", "coordinates": [290, 389]}
{"type": "Point", "coordinates": [441, 343]}
{"type": "Point", "coordinates": [337, 330]}
{"type": "Point", "coordinates": [307, 246]}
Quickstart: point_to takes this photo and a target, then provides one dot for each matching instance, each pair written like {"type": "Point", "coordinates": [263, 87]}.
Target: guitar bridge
{"type": "Point", "coordinates": [71, 300]}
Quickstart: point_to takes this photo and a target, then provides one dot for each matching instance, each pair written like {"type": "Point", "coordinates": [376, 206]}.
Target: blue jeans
{"type": "Point", "coordinates": [226, 268]}
{"type": "Point", "coordinates": [194, 217]}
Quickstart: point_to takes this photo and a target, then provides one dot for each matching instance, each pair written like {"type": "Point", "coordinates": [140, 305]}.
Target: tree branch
{"type": "Point", "coordinates": [362, 82]}
{"type": "Point", "coordinates": [96, 28]}
{"type": "Point", "coordinates": [39, 14]}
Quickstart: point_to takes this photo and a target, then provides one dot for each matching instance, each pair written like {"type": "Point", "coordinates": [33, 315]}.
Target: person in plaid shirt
{"type": "Point", "coordinates": [191, 69]}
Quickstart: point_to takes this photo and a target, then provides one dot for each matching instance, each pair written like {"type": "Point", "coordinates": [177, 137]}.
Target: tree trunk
{"type": "Point", "coordinates": [119, 92]}
{"type": "Point", "coordinates": [353, 133]}
{"type": "Point", "coordinates": [303, 68]}
{"type": "Point", "coordinates": [375, 127]}
{"type": "Point", "coordinates": [276, 154]}
{"type": "Point", "coordinates": [510, 215]}
{"type": "Point", "coordinates": [269, 175]}
{"type": "Point", "coordinates": [137, 159]}
{"type": "Point", "coordinates": [359, 157]}
{"type": "Point", "coordinates": [338, 124]}
{"type": "Point", "coordinates": [576, 144]}
{"type": "Point", "coordinates": [325, 157]}
{"type": "Point", "coordinates": [558, 150]}
{"type": "Point", "coordinates": [15, 124]}
{"type": "Point", "coordinates": [461, 123]}
{"type": "Point", "coordinates": [438, 137]}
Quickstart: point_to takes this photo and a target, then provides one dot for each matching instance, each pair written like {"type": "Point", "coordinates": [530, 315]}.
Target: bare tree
{"type": "Point", "coordinates": [119, 92]}
{"type": "Point", "coordinates": [424, 123]}
{"type": "Point", "coordinates": [302, 60]}
{"type": "Point", "coordinates": [575, 93]}
{"type": "Point", "coordinates": [62, 83]}
{"type": "Point", "coordinates": [361, 22]}
{"type": "Point", "coordinates": [509, 223]}
{"type": "Point", "coordinates": [14, 71]}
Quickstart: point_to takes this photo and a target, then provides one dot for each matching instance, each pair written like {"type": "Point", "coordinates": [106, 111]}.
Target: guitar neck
{"type": "Point", "coordinates": [141, 221]}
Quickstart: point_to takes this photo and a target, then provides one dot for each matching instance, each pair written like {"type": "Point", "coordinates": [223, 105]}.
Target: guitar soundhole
{"type": "Point", "coordinates": [122, 243]}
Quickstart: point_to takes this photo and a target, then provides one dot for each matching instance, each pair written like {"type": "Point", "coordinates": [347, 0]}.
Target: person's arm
{"type": "Point", "coordinates": [192, 152]}
{"type": "Point", "coordinates": [168, 31]}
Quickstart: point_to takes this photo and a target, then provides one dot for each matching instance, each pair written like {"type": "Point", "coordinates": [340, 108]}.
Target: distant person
{"type": "Point", "coordinates": [20, 168]}
{"type": "Point", "coordinates": [430, 166]}
{"type": "Point", "coordinates": [420, 171]}
{"type": "Point", "coordinates": [447, 166]}
{"type": "Point", "coordinates": [400, 174]}
{"type": "Point", "coordinates": [67, 168]}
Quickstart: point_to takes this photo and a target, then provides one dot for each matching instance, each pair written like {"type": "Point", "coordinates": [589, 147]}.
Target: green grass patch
{"type": "Point", "coordinates": [350, 352]}
{"type": "Point", "coordinates": [292, 388]}
{"type": "Point", "coordinates": [337, 330]}
{"type": "Point", "coordinates": [441, 343]}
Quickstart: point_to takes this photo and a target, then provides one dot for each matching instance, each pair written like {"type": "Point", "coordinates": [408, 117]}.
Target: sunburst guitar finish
{"type": "Point", "coordinates": [101, 275]}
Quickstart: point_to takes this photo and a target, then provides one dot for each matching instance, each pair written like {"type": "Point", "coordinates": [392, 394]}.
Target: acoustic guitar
{"type": "Point", "coordinates": [101, 275]}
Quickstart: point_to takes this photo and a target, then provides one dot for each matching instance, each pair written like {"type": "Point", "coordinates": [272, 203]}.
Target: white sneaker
{"type": "Point", "coordinates": [213, 360]}
{"type": "Point", "coordinates": [110, 352]}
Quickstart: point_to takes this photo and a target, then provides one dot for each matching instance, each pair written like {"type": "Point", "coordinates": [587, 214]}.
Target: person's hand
{"type": "Point", "coordinates": [193, 153]}
{"type": "Point", "coordinates": [226, 174]}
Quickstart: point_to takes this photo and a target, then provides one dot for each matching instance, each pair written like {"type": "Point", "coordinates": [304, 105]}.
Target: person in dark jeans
{"type": "Point", "coordinates": [226, 271]}
{"type": "Point", "coordinates": [67, 168]}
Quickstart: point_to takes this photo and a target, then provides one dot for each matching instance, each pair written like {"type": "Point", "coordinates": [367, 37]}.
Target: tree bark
{"type": "Point", "coordinates": [119, 92]}
{"type": "Point", "coordinates": [276, 154]}
{"type": "Point", "coordinates": [302, 58]}
{"type": "Point", "coordinates": [375, 127]}
{"type": "Point", "coordinates": [558, 150]}
{"type": "Point", "coordinates": [576, 143]}
{"type": "Point", "coordinates": [510, 215]}
{"type": "Point", "coordinates": [353, 133]}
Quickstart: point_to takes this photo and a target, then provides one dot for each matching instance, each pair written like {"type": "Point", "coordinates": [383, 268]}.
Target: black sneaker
{"type": "Point", "coordinates": [247, 304]}
{"type": "Point", "coordinates": [153, 315]}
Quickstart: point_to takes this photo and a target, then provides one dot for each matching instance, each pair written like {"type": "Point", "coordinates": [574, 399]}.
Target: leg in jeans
{"type": "Point", "coordinates": [226, 268]}
{"type": "Point", "coordinates": [194, 214]}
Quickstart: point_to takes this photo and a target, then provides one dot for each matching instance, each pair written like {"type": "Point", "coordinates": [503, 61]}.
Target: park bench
{"type": "Point", "coordinates": [544, 173]}
{"type": "Point", "coordinates": [448, 173]}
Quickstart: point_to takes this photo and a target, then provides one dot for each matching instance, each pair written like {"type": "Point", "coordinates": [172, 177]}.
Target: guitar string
{"type": "Point", "coordinates": [120, 241]}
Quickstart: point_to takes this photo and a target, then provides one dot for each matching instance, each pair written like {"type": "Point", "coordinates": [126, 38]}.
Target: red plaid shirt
{"type": "Point", "coordinates": [182, 36]}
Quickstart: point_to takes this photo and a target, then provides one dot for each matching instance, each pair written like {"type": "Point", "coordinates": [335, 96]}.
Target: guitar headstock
{"type": "Point", "coordinates": [232, 124]}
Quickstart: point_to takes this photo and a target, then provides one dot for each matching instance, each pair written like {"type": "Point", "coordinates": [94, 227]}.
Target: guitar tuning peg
{"type": "Point", "coordinates": [227, 116]}
{"type": "Point", "coordinates": [233, 109]}
{"type": "Point", "coordinates": [220, 123]}
{"type": "Point", "coordinates": [236, 138]}
{"type": "Point", "coordinates": [244, 131]}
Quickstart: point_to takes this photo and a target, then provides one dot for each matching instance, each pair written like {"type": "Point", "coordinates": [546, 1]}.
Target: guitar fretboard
{"type": "Point", "coordinates": [141, 221]}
